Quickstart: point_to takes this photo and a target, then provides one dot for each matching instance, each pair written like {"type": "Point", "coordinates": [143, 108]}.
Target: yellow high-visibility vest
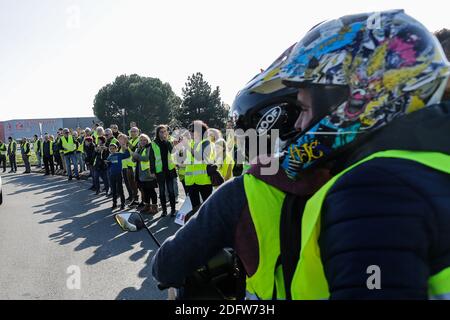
{"type": "Point", "coordinates": [68, 144]}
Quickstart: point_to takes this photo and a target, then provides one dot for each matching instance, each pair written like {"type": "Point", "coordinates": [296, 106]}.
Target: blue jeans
{"type": "Point", "coordinates": [81, 161]}
{"type": "Point", "coordinates": [71, 158]}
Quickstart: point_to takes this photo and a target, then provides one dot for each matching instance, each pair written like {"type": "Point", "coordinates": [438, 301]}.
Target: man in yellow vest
{"type": "Point", "coordinates": [47, 155]}
{"type": "Point", "coordinates": [378, 229]}
{"type": "Point", "coordinates": [69, 146]}
{"type": "Point", "coordinates": [25, 150]}
{"type": "Point", "coordinates": [12, 150]}
{"type": "Point", "coordinates": [3, 152]}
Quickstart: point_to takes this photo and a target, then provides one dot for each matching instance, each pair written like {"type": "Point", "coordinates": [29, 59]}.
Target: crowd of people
{"type": "Point", "coordinates": [131, 161]}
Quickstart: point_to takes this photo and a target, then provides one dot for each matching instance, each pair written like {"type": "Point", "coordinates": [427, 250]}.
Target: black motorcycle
{"type": "Point", "coordinates": [222, 278]}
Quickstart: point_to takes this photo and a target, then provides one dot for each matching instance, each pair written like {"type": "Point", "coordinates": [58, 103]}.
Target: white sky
{"type": "Point", "coordinates": [50, 67]}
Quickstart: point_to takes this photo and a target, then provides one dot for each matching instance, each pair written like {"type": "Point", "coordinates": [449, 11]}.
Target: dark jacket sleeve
{"type": "Point", "coordinates": [383, 213]}
{"type": "Point", "coordinates": [210, 230]}
{"type": "Point", "coordinates": [152, 159]}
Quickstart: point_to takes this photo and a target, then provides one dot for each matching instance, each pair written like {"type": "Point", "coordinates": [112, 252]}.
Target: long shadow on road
{"type": "Point", "coordinates": [85, 220]}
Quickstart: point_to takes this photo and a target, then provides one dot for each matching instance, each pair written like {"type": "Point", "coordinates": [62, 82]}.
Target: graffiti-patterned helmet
{"type": "Point", "coordinates": [373, 67]}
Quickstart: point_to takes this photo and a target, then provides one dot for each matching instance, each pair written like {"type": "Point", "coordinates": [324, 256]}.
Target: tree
{"type": "Point", "coordinates": [148, 101]}
{"type": "Point", "coordinates": [200, 103]}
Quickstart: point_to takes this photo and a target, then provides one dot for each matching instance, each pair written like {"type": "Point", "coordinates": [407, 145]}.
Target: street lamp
{"type": "Point", "coordinates": [123, 120]}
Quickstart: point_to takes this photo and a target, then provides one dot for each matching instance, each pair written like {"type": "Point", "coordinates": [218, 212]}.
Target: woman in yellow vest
{"type": "Point", "coordinates": [165, 169]}
{"type": "Point", "coordinates": [224, 159]}
{"type": "Point", "coordinates": [145, 174]}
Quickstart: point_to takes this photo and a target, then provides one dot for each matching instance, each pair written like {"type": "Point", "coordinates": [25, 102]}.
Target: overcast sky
{"type": "Point", "coordinates": [56, 54]}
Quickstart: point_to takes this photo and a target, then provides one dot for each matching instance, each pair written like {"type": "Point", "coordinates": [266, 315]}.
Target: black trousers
{"type": "Point", "coordinates": [148, 192]}
{"type": "Point", "coordinates": [26, 161]}
{"type": "Point", "coordinates": [12, 162]}
{"type": "Point", "coordinates": [163, 181]}
{"type": "Point", "coordinates": [58, 160]}
{"type": "Point", "coordinates": [117, 187]}
{"type": "Point", "coordinates": [49, 165]}
{"type": "Point", "coordinates": [196, 190]}
{"type": "Point", "coordinates": [3, 162]}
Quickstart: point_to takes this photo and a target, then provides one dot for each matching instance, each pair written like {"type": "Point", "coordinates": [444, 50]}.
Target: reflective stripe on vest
{"type": "Point", "coordinates": [265, 203]}
{"type": "Point", "coordinates": [158, 159]}
{"type": "Point", "coordinates": [68, 145]}
{"type": "Point", "coordinates": [309, 281]}
{"type": "Point", "coordinates": [145, 165]}
{"type": "Point", "coordinates": [196, 173]}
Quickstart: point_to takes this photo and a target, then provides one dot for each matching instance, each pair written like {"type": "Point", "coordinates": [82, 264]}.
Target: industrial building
{"type": "Point", "coordinates": [29, 127]}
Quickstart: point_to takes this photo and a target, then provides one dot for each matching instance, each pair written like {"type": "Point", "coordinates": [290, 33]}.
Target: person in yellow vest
{"type": "Point", "coordinates": [12, 150]}
{"type": "Point", "coordinates": [69, 146]}
{"type": "Point", "coordinates": [182, 146]}
{"type": "Point", "coordinates": [133, 124]}
{"type": "Point", "coordinates": [58, 154]}
{"type": "Point", "coordinates": [99, 132]}
{"type": "Point", "coordinates": [47, 155]}
{"type": "Point", "coordinates": [80, 150]}
{"type": "Point", "coordinates": [25, 150]}
{"type": "Point", "coordinates": [224, 159]}
{"type": "Point", "coordinates": [133, 144]}
{"type": "Point", "coordinates": [235, 228]}
{"type": "Point", "coordinates": [165, 168]}
{"type": "Point", "coordinates": [145, 174]}
{"type": "Point", "coordinates": [110, 138]}
{"type": "Point", "coordinates": [37, 149]}
{"type": "Point", "coordinates": [3, 152]}
{"type": "Point", "coordinates": [389, 185]}
{"type": "Point", "coordinates": [198, 157]}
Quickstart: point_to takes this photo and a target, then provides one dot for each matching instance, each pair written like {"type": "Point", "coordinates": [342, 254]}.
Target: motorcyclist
{"type": "Point", "coordinates": [225, 220]}
{"type": "Point", "coordinates": [376, 83]}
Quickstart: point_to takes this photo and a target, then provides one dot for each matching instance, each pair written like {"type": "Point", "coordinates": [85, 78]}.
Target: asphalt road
{"type": "Point", "coordinates": [52, 230]}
